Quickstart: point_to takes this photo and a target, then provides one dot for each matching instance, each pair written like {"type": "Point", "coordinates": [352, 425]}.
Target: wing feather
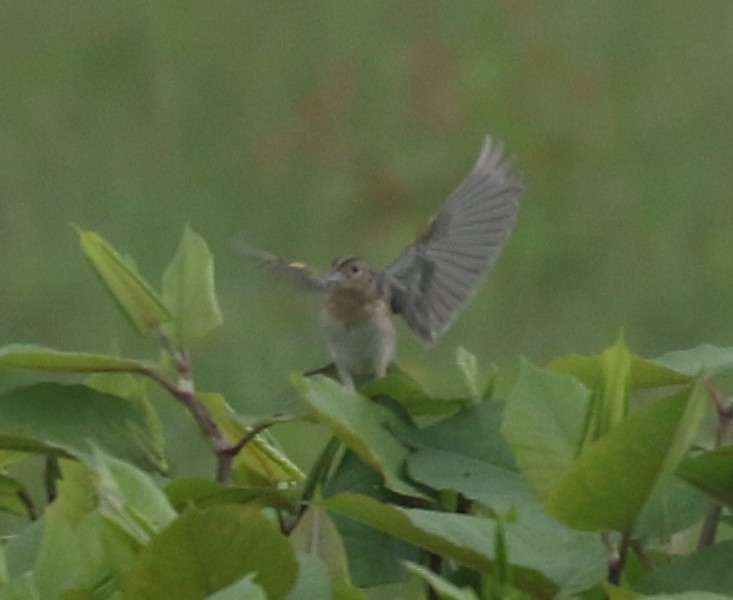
{"type": "Point", "coordinates": [432, 280]}
{"type": "Point", "coordinates": [297, 274]}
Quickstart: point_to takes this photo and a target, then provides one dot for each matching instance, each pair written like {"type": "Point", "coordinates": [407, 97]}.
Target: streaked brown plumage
{"type": "Point", "coordinates": [428, 284]}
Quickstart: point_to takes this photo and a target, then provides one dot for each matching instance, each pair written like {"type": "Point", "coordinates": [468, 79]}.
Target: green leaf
{"type": "Point", "coordinates": [62, 420]}
{"type": "Point", "coordinates": [494, 486]}
{"type": "Point", "coordinates": [474, 432]}
{"type": "Point", "coordinates": [409, 394]}
{"type": "Point", "coordinates": [468, 365]}
{"type": "Point", "coordinates": [80, 549]}
{"type": "Point", "coordinates": [463, 538]}
{"type": "Point", "coordinates": [711, 472]}
{"type": "Point", "coordinates": [696, 595]}
{"type": "Point", "coordinates": [375, 558]}
{"type": "Point", "coordinates": [26, 356]}
{"type": "Point", "coordinates": [204, 551]}
{"type": "Point", "coordinates": [611, 376]}
{"type": "Point", "coordinates": [316, 534]}
{"type": "Point", "coordinates": [313, 581]}
{"type": "Point", "coordinates": [21, 588]}
{"type": "Point", "coordinates": [244, 589]}
{"type": "Point", "coordinates": [188, 290]}
{"type": "Point", "coordinates": [544, 419]}
{"type": "Point", "coordinates": [707, 570]}
{"type": "Point", "coordinates": [613, 478]}
{"type": "Point", "coordinates": [674, 506]}
{"type": "Point", "coordinates": [358, 423]}
{"type": "Point", "coordinates": [642, 373]}
{"type": "Point", "coordinates": [261, 462]}
{"type": "Point", "coordinates": [583, 560]}
{"type": "Point", "coordinates": [201, 492]}
{"type": "Point", "coordinates": [444, 588]}
{"type": "Point", "coordinates": [130, 498]}
{"type": "Point", "coordinates": [13, 496]}
{"type": "Point", "coordinates": [135, 297]}
{"type": "Point", "coordinates": [134, 389]}
{"type": "Point", "coordinates": [706, 357]}
{"type": "Point", "coordinates": [21, 549]}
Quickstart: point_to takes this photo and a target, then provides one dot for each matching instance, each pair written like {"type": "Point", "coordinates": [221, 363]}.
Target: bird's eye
{"type": "Point", "coordinates": [355, 269]}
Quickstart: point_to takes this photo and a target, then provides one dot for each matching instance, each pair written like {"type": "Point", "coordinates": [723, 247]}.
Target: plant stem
{"type": "Point", "coordinates": [641, 553]}
{"type": "Point", "coordinates": [319, 473]}
{"type": "Point", "coordinates": [725, 418]}
{"type": "Point", "coordinates": [51, 476]}
{"type": "Point", "coordinates": [184, 392]}
{"type": "Point", "coordinates": [617, 563]}
{"type": "Point", "coordinates": [710, 526]}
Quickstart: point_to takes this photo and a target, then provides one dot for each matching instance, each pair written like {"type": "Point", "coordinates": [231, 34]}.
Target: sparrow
{"type": "Point", "coordinates": [427, 285]}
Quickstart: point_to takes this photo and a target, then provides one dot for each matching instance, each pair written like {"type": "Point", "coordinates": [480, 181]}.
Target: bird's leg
{"type": "Point", "coordinates": [345, 376]}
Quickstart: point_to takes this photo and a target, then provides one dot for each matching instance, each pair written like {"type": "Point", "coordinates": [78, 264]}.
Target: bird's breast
{"type": "Point", "coordinates": [359, 339]}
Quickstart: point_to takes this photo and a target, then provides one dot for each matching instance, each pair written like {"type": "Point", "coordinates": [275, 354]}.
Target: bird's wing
{"type": "Point", "coordinates": [297, 274]}
{"type": "Point", "coordinates": [432, 279]}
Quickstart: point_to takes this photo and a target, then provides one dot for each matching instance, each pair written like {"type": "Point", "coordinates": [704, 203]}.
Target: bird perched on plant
{"type": "Point", "coordinates": [428, 284]}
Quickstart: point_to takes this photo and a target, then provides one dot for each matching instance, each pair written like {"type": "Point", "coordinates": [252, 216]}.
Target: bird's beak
{"type": "Point", "coordinates": [335, 277]}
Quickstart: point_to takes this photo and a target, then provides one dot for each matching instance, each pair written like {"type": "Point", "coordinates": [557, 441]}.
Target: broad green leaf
{"type": "Point", "coordinates": [358, 423]}
{"type": "Point", "coordinates": [614, 389]}
{"type": "Point", "coordinates": [26, 356]}
{"type": "Point", "coordinates": [707, 570]}
{"type": "Point", "coordinates": [474, 432]}
{"type": "Point", "coordinates": [711, 472]}
{"type": "Point", "coordinates": [619, 593]}
{"type": "Point", "coordinates": [20, 588]}
{"type": "Point", "coordinates": [62, 420]}
{"type": "Point", "coordinates": [135, 297]}
{"type": "Point", "coordinates": [313, 581]}
{"type": "Point", "coordinates": [712, 359]}
{"type": "Point", "coordinates": [204, 551]}
{"type": "Point", "coordinates": [4, 576]}
{"type": "Point", "coordinates": [444, 588]}
{"type": "Point", "coordinates": [409, 394]}
{"type": "Point", "coordinates": [316, 533]}
{"type": "Point", "coordinates": [696, 595]}
{"type": "Point", "coordinates": [375, 558]}
{"type": "Point", "coordinates": [674, 506]}
{"type": "Point", "coordinates": [201, 492]}
{"type": "Point", "coordinates": [491, 485]}
{"type": "Point", "coordinates": [21, 549]}
{"type": "Point", "coordinates": [134, 389]}
{"type": "Point", "coordinates": [543, 423]}
{"type": "Point", "coordinates": [583, 560]}
{"type": "Point", "coordinates": [14, 498]}
{"type": "Point", "coordinates": [611, 376]}
{"type": "Point", "coordinates": [244, 589]}
{"type": "Point", "coordinates": [613, 478]}
{"type": "Point", "coordinates": [466, 539]}
{"type": "Point", "coordinates": [642, 372]}
{"type": "Point", "coordinates": [130, 498]}
{"type": "Point", "coordinates": [80, 550]}
{"type": "Point", "coordinates": [468, 365]}
{"type": "Point", "coordinates": [188, 290]}
{"type": "Point", "coordinates": [261, 462]}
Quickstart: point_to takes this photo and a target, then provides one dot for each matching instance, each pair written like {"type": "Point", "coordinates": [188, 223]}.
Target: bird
{"type": "Point", "coordinates": [428, 284]}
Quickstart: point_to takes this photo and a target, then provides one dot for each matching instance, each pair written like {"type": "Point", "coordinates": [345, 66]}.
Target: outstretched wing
{"type": "Point", "coordinates": [297, 274]}
{"type": "Point", "coordinates": [432, 280]}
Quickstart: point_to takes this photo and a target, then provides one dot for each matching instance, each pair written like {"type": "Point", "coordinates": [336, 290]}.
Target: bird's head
{"type": "Point", "coordinates": [353, 276]}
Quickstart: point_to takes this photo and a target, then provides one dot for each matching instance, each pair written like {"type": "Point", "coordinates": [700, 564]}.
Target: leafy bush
{"type": "Point", "coordinates": [595, 478]}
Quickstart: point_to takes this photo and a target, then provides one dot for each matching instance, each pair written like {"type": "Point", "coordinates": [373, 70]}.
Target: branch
{"type": "Point", "coordinates": [725, 418]}
{"type": "Point", "coordinates": [618, 561]}
{"type": "Point", "coordinates": [184, 392]}
{"type": "Point", "coordinates": [256, 430]}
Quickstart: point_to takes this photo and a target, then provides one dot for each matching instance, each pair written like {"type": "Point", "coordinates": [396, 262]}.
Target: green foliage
{"type": "Point", "coordinates": [576, 485]}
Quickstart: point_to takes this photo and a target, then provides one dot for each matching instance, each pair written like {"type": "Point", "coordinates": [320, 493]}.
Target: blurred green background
{"type": "Point", "coordinates": [327, 128]}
